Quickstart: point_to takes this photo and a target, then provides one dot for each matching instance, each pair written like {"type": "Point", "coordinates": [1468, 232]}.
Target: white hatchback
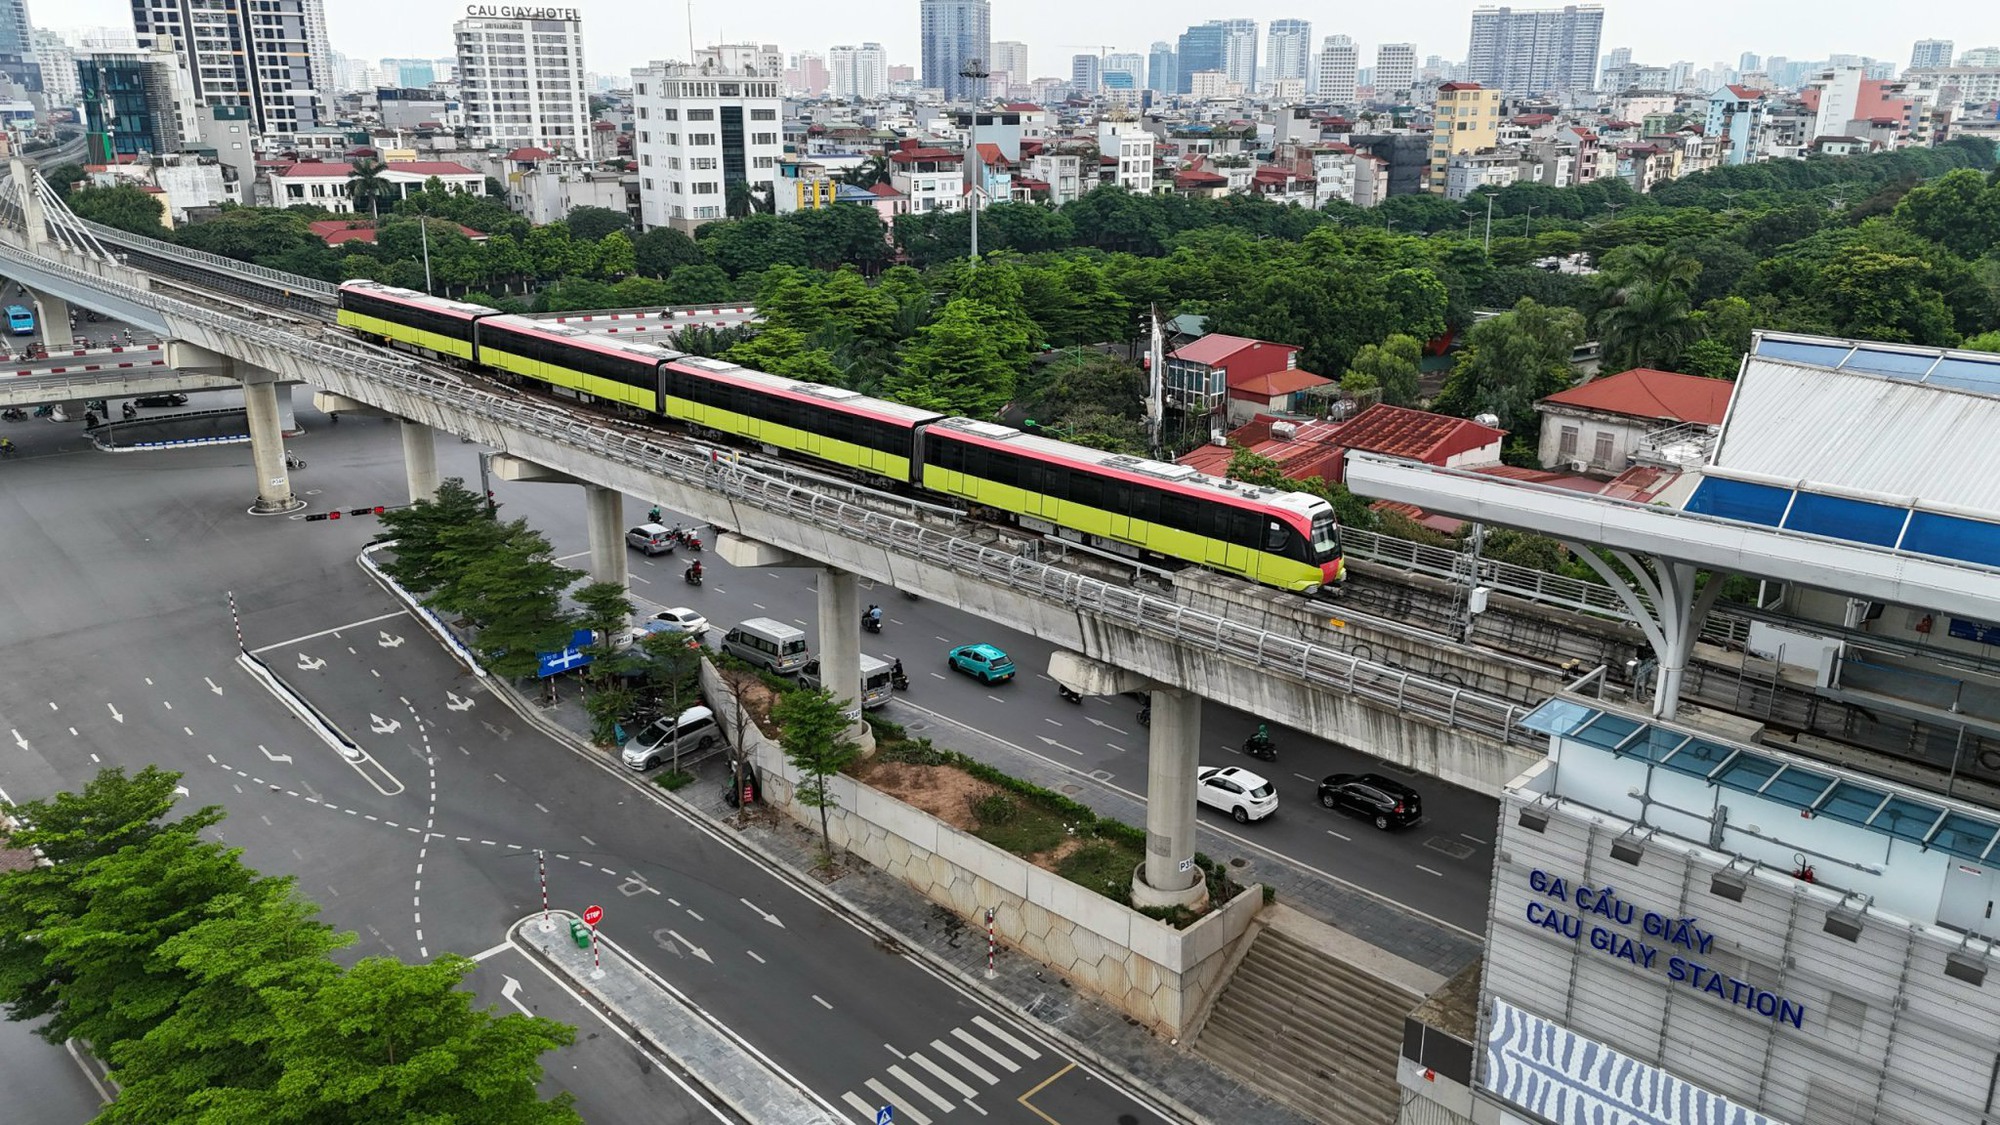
{"type": "Point", "coordinates": [1236, 791]}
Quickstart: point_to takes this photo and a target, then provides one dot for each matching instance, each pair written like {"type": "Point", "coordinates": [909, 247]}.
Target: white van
{"type": "Point", "coordinates": [695, 729]}
{"type": "Point", "coordinates": [768, 644]}
{"type": "Point", "coordinates": [875, 686]}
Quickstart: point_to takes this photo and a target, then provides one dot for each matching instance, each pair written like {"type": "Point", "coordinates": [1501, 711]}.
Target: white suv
{"type": "Point", "coordinates": [1236, 791]}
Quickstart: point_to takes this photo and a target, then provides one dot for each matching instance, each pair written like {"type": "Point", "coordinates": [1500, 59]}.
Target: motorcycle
{"type": "Point", "coordinates": [871, 624]}
{"type": "Point", "coordinates": [14, 414]}
{"type": "Point", "coordinates": [294, 461]}
{"type": "Point", "coordinates": [1146, 715]}
{"type": "Point", "coordinates": [1261, 747]}
{"type": "Point", "coordinates": [691, 576]}
{"type": "Point", "coordinates": [899, 680]}
{"type": "Point", "coordinates": [129, 411]}
{"type": "Point", "coordinates": [1067, 693]}
{"type": "Point", "coordinates": [693, 542]}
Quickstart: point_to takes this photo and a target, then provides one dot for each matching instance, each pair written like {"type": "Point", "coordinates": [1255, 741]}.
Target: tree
{"type": "Point", "coordinates": [61, 178]}
{"type": "Point", "coordinates": [870, 172]}
{"type": "Point", "coordinates": [72, 831]}
{"type": "Point", "coordinates": [1511, 361]}
{"type": "Point", "coordinates": [756, 242]}
{"type": "Point", "coordinates": [549, 250]}
{"type": "Point", "coordinates": [250, 234]}
{"type": "Point", "coordinates": [1959, 210]}
{"type": "Point", "coordinates": [658, 252]}
{"type": "Point", "coordinates": [604, 608]}
{"type": "Point", "coordinates": [842, 234]}
{"type": "Point", "coordinates": [814, 730]}
{"type": "Point", "coordinates": [366, 183]}
{"type": "Point", "coordinates": [1984, 342]}
{"type": "Point", "coordinates": [783, 351]}
{"type": "Point", "coordinates": [960, 363]}
{"type": "Point", "coordinates": [124, 206]}
{"type": "Point", "coordinates": [697, 285]}
{"type": "Point", "coordinates": [438, 537]}
{"type": "Point", "coordinates": [592, 224]}
{"type": "Point", "coordinates": [615, 257]}
{"type": "Point", "coordinates": [670, 663]}
{"type": "Point", "coordinates": [1392, 365]}
{"type": "Point", "coordinates": [386, 1041]}
{"type": "Point", "coordinates": [514, 593]}
{"type": "Point", "coordinates": [1646, 293]}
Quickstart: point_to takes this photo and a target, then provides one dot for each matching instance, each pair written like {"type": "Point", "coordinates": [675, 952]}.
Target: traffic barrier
{"type": "Point", "coordinates": [423, 612]}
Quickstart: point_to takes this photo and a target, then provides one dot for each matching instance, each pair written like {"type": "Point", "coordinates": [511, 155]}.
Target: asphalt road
{"type": "Point", "coordinates": [116, 647]}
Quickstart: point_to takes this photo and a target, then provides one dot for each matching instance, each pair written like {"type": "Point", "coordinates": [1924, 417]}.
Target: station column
{"type": "Point", "coordinates": [420, 466]}
{"type": "Point", "coordinates": [52, 318]}
{"type": "Point", "coordinates": [840, 634]}
{"type": "Point", "coordinates": [604, 511]}
{"type": "Point", "coordinates": [267, 441]}
{"type": "Point", "coordinates": [1169, 876]}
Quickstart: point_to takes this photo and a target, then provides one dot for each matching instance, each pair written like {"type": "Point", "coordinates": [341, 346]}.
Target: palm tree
{"type": "Point", "coordinates": [365, 181]}
{"type": "Point", "coordinates": [1644, 312]}
{"type": "Point", "coordinates": [872, 171]}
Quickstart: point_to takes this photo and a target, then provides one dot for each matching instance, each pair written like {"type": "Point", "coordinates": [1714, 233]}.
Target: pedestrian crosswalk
{"type": "Point", "coordinates": [962, 1063]}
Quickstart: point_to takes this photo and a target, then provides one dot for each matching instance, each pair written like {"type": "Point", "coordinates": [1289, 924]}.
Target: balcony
{"type": "Point", "coordinates": [1679, 447]}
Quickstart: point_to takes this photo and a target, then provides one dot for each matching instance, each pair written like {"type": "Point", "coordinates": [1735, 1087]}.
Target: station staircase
{"type": "Point", "coordinates": [1309, 1029]}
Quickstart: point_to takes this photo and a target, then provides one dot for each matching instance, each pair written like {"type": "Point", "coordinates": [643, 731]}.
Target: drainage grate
{"type": "Point", "coordinates": [1452, 848]}
{"type": "Point", "coordinates": [1101, 775]}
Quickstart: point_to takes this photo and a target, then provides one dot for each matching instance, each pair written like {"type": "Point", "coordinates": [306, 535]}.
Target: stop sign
{"type": "Point", "coordinates": [591, 914]}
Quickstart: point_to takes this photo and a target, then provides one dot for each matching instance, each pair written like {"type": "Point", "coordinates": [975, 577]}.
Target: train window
{"type": "Point", "coordinates": [1087, 489]}
{"type": "Point", "coordinates": [1274, 536]}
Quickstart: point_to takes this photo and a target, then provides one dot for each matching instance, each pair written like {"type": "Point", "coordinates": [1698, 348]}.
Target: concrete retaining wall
{"type": "Point", "coordinates": [1154, 973]}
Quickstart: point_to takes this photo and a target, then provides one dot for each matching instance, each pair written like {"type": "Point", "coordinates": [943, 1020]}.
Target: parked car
{"type": "Point", "coordinates": [694, 729]}
{"type": "Point", "coordinates": [171, 399]}
{"type": "Point", "coordinates": [682, 618]}
{"type": "Point", "coordinates": [651, 538]}
{"type": "Point", "coordinates": [1236, 791]}
{"type": "Point", "coordinates": [991, 665]}
{"type": "Point", "coordinates": [1384, 800]}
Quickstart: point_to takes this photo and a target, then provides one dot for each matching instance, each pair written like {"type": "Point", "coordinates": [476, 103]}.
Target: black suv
{"type": "Point", "coordinates": [1389, 803]}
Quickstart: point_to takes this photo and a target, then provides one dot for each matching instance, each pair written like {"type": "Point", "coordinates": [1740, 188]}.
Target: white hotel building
{"type": "Point", "coordinates": [520, 73]}
{"type": "Point", "coordinates": [697, 130]}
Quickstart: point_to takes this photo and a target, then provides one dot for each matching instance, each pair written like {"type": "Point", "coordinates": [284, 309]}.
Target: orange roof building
{"type": "Point", "coordinates": [1598, 427]}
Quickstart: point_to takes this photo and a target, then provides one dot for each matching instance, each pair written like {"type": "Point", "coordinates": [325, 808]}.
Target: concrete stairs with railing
{"type": "Point", "coordinates": [1314, 1018]}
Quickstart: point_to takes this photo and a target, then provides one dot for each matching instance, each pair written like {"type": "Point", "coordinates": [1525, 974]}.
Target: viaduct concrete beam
{"type": "Point", "coordinates": [738, 551]}
{"type": "Point", "coordinates": [518, 470]}
{"type": "Point", "coordinates": [326, 402]}
{"type": "Point", "coordinates": [1081, 674]}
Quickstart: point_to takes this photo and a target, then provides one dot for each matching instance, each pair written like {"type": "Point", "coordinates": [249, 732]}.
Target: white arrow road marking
{"type": "Point", "coordinates": [388, 639]}
{"type": "Point", "coordinates": [274, 757]}
{"type": "Point", "coordinates": [1106, 726]}
{"type": "Point", "coordinates": [18, 740]}
{"type": "Point", "coordinates": [212, 685]}
{"type": "Point", "coordinates": [114, 712]}
{"type": "Point", "coordinates": [507, 992]}
{"type": "Point", "coordinates": [1060, 746]}
{"type": "Point", "coordinates": [309, 664]}
{"type": "Point", "coordinates": [457, 703]}
{"type": "Point", "coordinates": [181, 791]}
{"type": "Point", "coordinates": [692, 947]}
{"type": "Point", "coordinates": [771, 918]}
{"type": "Point", "coordinates": [383, 726]}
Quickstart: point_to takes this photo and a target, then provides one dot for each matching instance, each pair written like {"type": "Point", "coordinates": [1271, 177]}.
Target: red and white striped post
{"type": "Point", "coordinates": [237, 621]}
{"type": "Point", "coordinates": [542, 872]}
{"type": "Point", "coordinates": [592, 915]}
{"type": "Point", "coordinates": [990, 945]}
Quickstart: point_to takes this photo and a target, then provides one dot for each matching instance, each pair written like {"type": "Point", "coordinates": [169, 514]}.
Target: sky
{"type": "Point", "coordinates": [622, 34]}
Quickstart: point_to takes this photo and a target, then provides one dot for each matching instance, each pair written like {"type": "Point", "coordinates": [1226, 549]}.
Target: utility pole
{"type": "Point", "coordinates": [975, 69]}
{"type": "Point", "coordinates": [1489, 223]}
{"type": "Point", "coordinates": [1156, 378]}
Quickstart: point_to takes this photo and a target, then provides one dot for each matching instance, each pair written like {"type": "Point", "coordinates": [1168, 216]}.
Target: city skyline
{"type": "Point", "coordinates": [1702, 32]}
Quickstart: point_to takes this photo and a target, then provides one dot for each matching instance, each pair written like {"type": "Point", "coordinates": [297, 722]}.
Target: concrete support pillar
{"type": "Point", "coordinates": [420, 463]}
{"type": "Point", "coordinates": [267, 443]}
{"type": "Point", "coordinates": [1169, 876]}
{"type": "Point", "coordinates": [840, 634]}
{"type": "Point", "coordinates": [52, 317]}
{"type": "Point", "coordinates": [31, 203]}
{"type": "Point", "coordinates": [604, 512]}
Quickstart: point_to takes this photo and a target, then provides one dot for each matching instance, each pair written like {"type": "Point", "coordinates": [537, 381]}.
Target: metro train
{"type": "Point", "coordinates": [1128, 505]}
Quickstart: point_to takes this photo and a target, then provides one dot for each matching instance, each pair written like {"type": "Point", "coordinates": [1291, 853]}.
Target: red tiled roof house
{"type": "Point", "coordinates": [1237, 378]}
{"type": "Point", "coordinates": [1596, 427]}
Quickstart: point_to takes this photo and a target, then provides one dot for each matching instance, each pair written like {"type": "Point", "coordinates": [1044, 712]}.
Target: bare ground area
{"type": "Point", "coordinates": [948, 793]}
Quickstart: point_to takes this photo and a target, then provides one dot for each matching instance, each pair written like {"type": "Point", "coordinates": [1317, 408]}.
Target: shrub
{"type": "Point", "coordinates": [996, 809]}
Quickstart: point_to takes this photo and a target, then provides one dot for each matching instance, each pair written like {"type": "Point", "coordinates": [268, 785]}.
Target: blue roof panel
{"type": "Point", "coordinates": [1953, 537]}
{"type": "Point", "coordinates": [1856, 521]}
{"type": "Point", "coordinates": [1740, 501]}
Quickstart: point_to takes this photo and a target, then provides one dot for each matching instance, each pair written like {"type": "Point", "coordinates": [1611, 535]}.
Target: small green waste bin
{"type": "Point", "coordinates": [579, 933]}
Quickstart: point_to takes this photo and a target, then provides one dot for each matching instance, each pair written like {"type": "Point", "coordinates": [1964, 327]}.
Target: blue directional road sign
{"type": "Point", "coordinates": [569, 659]}
{"type": "Point", "coordinates": [885, 1115]}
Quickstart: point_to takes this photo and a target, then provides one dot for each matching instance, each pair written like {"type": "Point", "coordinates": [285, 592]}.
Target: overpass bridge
{"type": "Point", "coordinates": [1273, 654]}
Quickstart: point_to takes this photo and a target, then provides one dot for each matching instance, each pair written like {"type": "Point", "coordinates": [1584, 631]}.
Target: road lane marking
{"type": "Point", "coordinates": [973, 1068]}
{"type": "Point", "coordinates": [1473, 838]}
{"type": "Point", "coordinates": [866, 1111]}
{"type": "Point", "coordinates": [1023, 1099]}
{"type": "Point", "coordinates": [971, 1041]}
{"type": "Point", "coordinates": [823, 1003]}
{"type": "Point", "coordinates": [904, 1108]}
{"type": "Point", "coordinates": [891, 1048]}
{"type": "Point", "coordinates": [1001, 1034]}
{"type": "Point", "coordinates": [946, 1077]}
{"type": "Point", "coordinates": [327, 632]}
{"type": "Point", "coordinates": [923, 1091]}
{"type": "Point", "coordinates": [754, 957]}
{"type": "Point", "coordinates": [1427, 870]}
{"type": "Point", "coordinates": [1338, 836]}
{"type": "Point", "coordinates": [585, 839]}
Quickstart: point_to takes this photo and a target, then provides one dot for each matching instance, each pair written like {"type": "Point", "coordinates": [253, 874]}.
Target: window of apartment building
{"type": "Point", "coordinates": [642, 113]}
{"type": "Point", "coordinates": [670, 115]}
{"type": "Point", "coordinates": [639, 88]}
{"type": "Point", "coordinates": [1566, 445]}
{"type": "Point", "coordinates": [763, 115]}
{"type": "Point", "coordinates": [763, 138]}
{"type": "Point", "coordinates": [1602, 454]}
{"type": "Point", "coordinates": [648, 181]}
{"type": "Point", "coordinates": [701, 138]}
{"type": "Point", "coordinates": [704, 187]}
{"type": "Point", "coordinates": [701, 115]}
{"type": "Point", "coordinates": [766, 162]}
{"type": "Point", "coordinates": [645, 137]}
{"type": "Point", "coordinates": [702, 163]}
{"type": "Point", "coordinates": [646, 158]}
{"type": "Point", "coordinates": [674, 163]}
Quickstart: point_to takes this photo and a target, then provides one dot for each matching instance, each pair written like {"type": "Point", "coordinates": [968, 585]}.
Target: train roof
{"type": "Point", "coordinates": [420, 300]}
{"type": "Point", "coordinates": [615, 346]}
{"type": "Point", "coordinates": [1163, 472]}
{"type": "Point", "coordinates": [839, 397]}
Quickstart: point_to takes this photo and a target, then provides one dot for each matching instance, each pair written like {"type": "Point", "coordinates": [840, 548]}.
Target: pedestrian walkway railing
{"type": "Point", "coordinates": [910, 534]}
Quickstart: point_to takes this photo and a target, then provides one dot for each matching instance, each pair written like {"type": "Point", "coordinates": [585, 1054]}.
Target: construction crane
{"type": "Point", "coordinates": [1103, 49]}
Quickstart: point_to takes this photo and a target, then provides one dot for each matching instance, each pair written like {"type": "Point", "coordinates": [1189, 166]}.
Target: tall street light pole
{"type": "Point", "coordinates": [975, 69]}
{"type": "Point", "coordinates": [1489, 223]}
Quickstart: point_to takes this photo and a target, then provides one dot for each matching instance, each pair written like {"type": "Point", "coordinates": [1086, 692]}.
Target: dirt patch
{"type": "Point", "coordinates": [1051, 860]}
{"type": "Point", "coordinates": [944, 792]}
{"type": "Point", "coordinates": [754, 695]}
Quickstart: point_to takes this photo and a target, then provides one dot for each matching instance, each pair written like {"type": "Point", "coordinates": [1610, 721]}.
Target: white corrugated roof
{"type": "Point", "coordinates": [1863, 432]}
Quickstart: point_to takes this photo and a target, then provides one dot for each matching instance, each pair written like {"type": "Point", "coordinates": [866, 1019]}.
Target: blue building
{"type": "Point", "coordinates": [1736, 118]}
{"type": "Point", "coordinates": [129, 104]}
{"type": "Point", "coordinates": [1202, 47]}
{"type": "Point", "coordinates": [956, 32]}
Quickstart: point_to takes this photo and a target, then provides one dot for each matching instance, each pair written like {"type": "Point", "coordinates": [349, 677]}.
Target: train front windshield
{"type": "Point", "coordinates": [1325, 538]}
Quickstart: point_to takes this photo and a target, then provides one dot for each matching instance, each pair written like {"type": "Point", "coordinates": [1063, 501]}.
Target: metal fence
{"type": "Point", "coordinates": [908, 534]}
{"type": "Point", "coordinates": [212, 263]}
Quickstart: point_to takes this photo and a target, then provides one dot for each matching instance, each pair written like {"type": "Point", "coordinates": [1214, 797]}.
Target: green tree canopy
{"type": "Point", "coordinates": [591, 224]}
{"type": "Point", "coordinates": [660, 251]}
{"type": "Point", "coordinates": [124, 206]}
{"type": "Point", "coordinates": [1509, 362]}
{"type": "Point", "coordinates": [817, 737]}
{"type": "Point", "coordinates": [1392, 365]}
{"type": "Point", "coordinates": [964, 362]}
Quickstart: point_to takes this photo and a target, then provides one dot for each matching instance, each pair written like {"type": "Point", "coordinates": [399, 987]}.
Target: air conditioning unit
{"type": "Point", "coordinates": [1579, 466]}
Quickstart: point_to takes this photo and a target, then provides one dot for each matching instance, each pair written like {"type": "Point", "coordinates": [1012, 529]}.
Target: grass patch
{"type": "Point", "coordinates": [673, 779]}
{"type": "Point", "coordinates": [1023, 829]}
{"type": "Point", "coordinates": [1105, 866]}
